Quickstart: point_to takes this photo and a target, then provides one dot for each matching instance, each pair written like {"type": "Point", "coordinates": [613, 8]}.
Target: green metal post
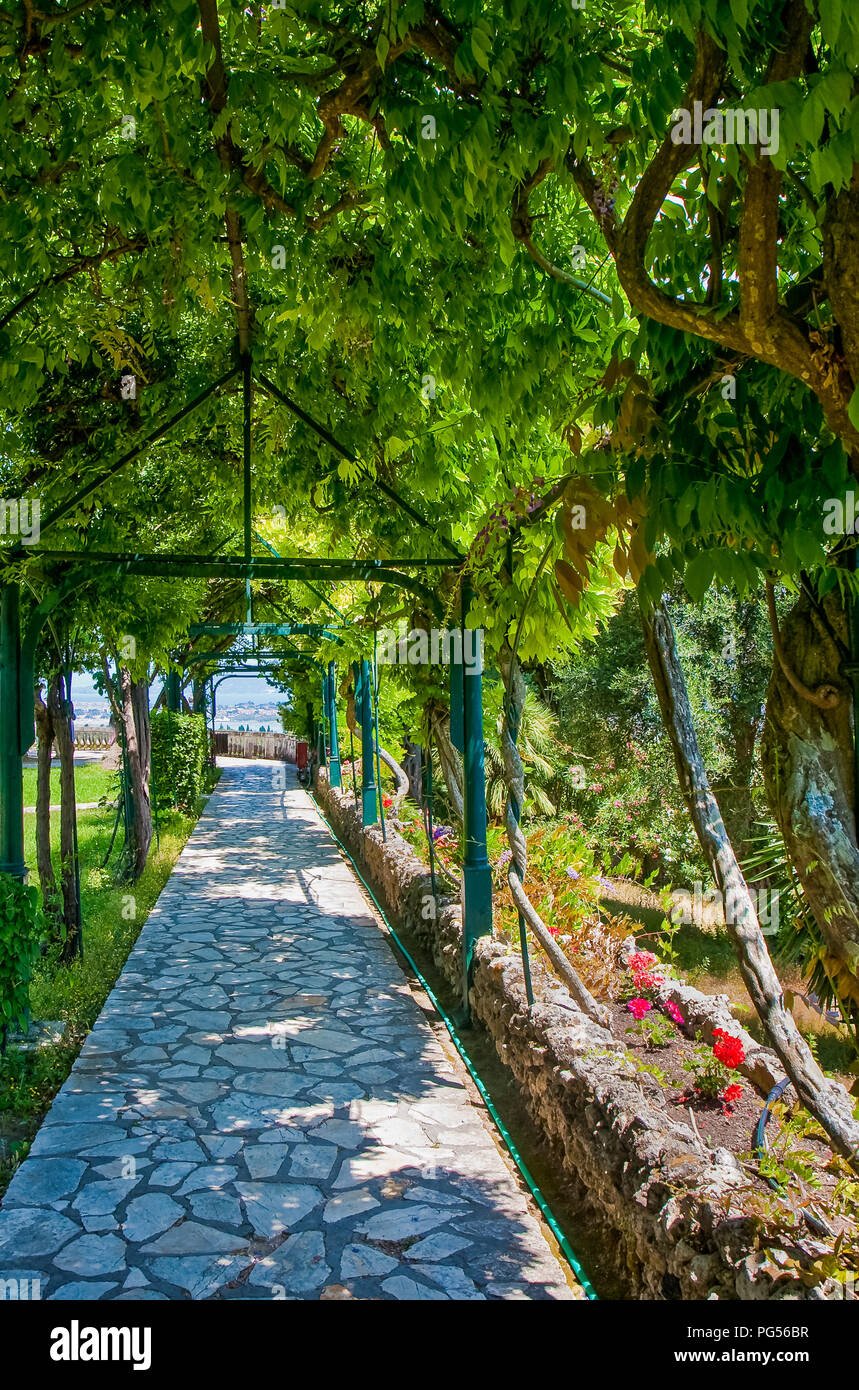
{"type": "Point", "coordinates": [476, 870]}
{"type": "Point", "coordinates": [352, 761]}
{"type": "Point", "coordinates": [375, 673]}
{"type": "Point", "coordinates": [323, 750]}
{"type": "Point", "coordinates": [11, 724]}
{"type": "Point", "coordinates": [334, 775]}
{"type": "Point", "coordinates": [427, 791]}
{"type": "Point", "coordinates": [173, 692]}
{"type": "Point", "coordinates": [364, 706]}
{"type": "Point", "coordinates": [69, 710]}
{"type": "Point", "coordinates": [246, 455]}
{"type": "Point", "coordinates": [457, 704]}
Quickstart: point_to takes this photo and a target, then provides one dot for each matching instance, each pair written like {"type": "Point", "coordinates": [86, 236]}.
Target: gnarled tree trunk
{"type": "Point", "coordinates": [807, 754]}
{"type": "Point", "coordinates": [44, 862]}
{"type": "Point", "coordinates": [68, 820]}
{"type": "Point", "coordinates": [134, 707]}
{"type": "Point", "coordinates": [827, 1101]}
{"type": "Point", "coordinates": [130, 703]}
{"type": "Point", "coordinates": [450, 759]}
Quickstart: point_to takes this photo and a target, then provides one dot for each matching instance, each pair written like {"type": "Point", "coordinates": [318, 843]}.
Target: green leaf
{"type": "Point", "coordinates": [699, 576]}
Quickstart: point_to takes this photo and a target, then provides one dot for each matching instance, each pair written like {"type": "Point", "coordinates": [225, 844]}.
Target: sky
{"type": "Point", "coordinates": [235, 690]}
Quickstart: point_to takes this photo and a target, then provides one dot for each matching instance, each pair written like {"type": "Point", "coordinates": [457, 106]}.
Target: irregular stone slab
{"type": "Point", "coordinates": [199, 1055]}
{"type": "Point", "coordinates": [455, 1283]}
{"type": "Point", "coordinates": [193, 1238]}
{"type": "Point", "coordinates": [209, 1176]}
{"type": "Point", "coordinates": [402, 1223]}
{"type": "Point", "coordinates": [243, 1112]}
{"type": "Point", "coordinates": [217, 1206]}
{"type": "Point", "coordinates": [82, 1108]}
{"type": "Point", "coordinates": [71, 1139]}
{"type": "Point", "coordinates": [266, 1160]}
{"type": "Point", "coordinates": [341, 1132]}
{"type": "Point", "coordinates": [272, 1207]}
{"type": "Point", "coordinates": [199, 1276]}
{"type": "Point", "coordinates": [222, 1146]}
{"type": "Point", "coordinates": [313, 1161]}
{"type": "Point", "coordinates": [28, 1231]}
{"type": "Point", "coordinates": [376, 1164]}
{"type": "Point", "coordinates": [266, 1083]}
{"type": "Point", "coordinates": [81, 1290]}
{"type": "Point", "coordinates": [256, 1055]}
{"type": "Point", "coordinates": [150, 1214]}
{"type": "Point", "coordinates": [349, 1204]}
{"type": "Point", "coordinates": [41, 1181]}
{"type": "Point", "coordinates": [324, 1038]}
{"type": "Point", "coordinates": [214, 1019]}
{"type": "Point", "coordinates": [438, 1246]}
{"type": "Point", "coordinates": [101, 1198]}
{"type": "Point", "coordinates": [298, 1265]}
{"type": "Point", "coordinates": [92, 1255]}
{"type": "Point", "coordinates": [362, 1261]}
{"type": "Point", "coordinates": [398, 1286]}
{"type": "Point", "coordinates": [170, 1174]}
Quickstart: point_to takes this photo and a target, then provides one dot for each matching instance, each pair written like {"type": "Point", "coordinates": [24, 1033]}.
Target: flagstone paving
{"type": "Point", "coordinates": [262, 1110]}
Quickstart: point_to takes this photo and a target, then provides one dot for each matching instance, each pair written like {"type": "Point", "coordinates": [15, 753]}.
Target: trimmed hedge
{"type": "Point", "coordinates": [180, 750]}
{"type": "Point", "coordinates": [21, 929]}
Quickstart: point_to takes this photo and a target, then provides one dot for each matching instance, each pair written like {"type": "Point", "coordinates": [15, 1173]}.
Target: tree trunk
{"type": "Point", "coordinates": [68, 820]}
{"type": "Point", "coordinates": [129, 701]}
{"type": "Point", "coordinates": [807, 755]}
{"type": "Point", "coordinates": [44, 862]}
{"type": "Point", "coordinates": [827, 1101]}
{"type": "Point", "coordinates": [134, 707]}
{"type": "Point", "coordinates": [413, 767]}
{"type": "Point", "coordinates": [735, 799]}
{"type": "Point", "coordinates": [451, 762]}
{"type": "Point", "coordinates": [140, 708]}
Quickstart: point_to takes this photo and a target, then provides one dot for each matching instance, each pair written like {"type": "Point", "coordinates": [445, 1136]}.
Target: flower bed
{"type": "Point", "coordinates": [679, 1207]}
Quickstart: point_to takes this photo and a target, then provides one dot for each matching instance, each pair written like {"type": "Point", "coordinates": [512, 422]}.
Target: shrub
{"type": "Point", "coordinates": [21, 929]}
{"type": "Point", "coordinates": [180, 749]}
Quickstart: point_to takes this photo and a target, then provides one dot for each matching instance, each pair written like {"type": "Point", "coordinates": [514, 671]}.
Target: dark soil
{"type": "Point", "coordinates": [733, 1130]}
{"type": "Point", "coordinates": [719, 1130]}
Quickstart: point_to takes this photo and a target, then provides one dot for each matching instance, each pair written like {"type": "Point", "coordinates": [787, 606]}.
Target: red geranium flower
{"type": "Point", "coordinates": [730, 1096]}
{"type": "Point", "coordinates": [729, 1050]}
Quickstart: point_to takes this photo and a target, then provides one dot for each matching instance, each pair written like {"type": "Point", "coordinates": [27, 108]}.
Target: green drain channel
{"type": "Point", "coordinates": [566, 1249]}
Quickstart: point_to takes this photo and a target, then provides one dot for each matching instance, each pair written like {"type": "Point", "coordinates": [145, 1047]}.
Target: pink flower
{"type": "Point", "coordinates": [673, 1012]}
{"type": "Point", "coordinates": [639, 1007]}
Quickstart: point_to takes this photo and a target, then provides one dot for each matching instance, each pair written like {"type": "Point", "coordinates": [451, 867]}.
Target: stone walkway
{"type": "Point", "coordinates": [261, 1110]}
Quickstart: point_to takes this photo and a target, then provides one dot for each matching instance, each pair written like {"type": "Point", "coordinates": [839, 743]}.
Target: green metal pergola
{"type": "Point", "coordinates": [67, 570]}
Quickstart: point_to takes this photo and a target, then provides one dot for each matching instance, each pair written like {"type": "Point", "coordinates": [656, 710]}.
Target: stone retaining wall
{"type": "Point", "coordinates": [642, 1177]}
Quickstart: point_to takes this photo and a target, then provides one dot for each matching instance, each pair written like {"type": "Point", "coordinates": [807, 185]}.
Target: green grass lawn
{"type": "Point", "coordinates": [113, 915]}
{"type": "Point", "coordinates": [92, 782]}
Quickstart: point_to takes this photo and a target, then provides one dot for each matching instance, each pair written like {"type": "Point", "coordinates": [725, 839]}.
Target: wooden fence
{"type": "Point", "coordinates": [230, 743]}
